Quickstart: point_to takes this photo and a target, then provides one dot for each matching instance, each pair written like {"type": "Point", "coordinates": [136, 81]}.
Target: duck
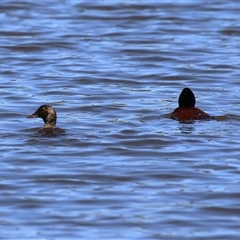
{"type": "Point", "coordinates": [49, 116]}
{"type": "Point", "coordinates": [186, 111]}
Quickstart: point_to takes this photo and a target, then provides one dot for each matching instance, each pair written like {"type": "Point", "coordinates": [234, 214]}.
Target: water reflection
{"type": "Point", "coordinates": [186, 128]}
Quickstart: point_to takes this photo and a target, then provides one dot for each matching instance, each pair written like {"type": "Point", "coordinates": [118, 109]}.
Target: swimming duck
{"type": "Point", "coordinates": [49, 116]}
{"type": "Point", "coordinates": [187, 110]}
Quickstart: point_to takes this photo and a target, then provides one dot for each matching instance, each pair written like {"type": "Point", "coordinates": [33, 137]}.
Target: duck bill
{"type": "Point", "coordinates": [34, 115]}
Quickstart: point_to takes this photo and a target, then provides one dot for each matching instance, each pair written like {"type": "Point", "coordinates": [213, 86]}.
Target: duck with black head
{"type": "Point", "coordinates": [49, 116]}
{"type": "Point", "coordinates": [186, 111]}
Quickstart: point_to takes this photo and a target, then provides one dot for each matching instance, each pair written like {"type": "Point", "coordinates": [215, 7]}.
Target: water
{"type": "Point", "coordinates": [114, 70]}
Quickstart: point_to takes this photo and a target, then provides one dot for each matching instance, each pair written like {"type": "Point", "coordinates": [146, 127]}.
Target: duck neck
{"type": "Point", "coordinates": [50, 122]}
{"type": "Point", "coordinates": [49, 125]}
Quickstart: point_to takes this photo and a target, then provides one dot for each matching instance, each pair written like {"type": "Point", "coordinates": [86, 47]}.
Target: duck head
{"type": "Point", "coordinates": [48, 114]}
{"type": "Point", "coordinates": [186, 98]}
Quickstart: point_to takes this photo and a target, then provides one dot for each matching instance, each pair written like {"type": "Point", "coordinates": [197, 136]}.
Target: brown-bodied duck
{"type": "Point", "coordinates": [49, 116]}
{"type": "Point", "coordinates": [187, 111]}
